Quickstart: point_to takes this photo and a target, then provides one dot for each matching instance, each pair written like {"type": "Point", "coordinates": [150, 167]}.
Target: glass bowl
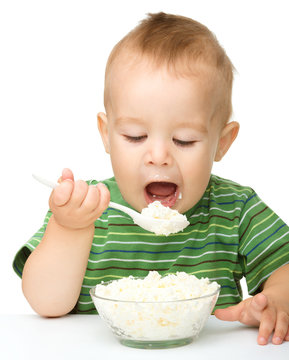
{"type": "Point", "coordinates": [158, 324]}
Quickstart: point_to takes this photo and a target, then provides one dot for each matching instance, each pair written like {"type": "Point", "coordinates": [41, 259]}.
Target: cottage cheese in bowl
{"type": "Point", "coordinates": [155, 311]}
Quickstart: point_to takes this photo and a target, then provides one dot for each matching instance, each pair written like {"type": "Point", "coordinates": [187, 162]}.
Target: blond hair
{"type": "Point", "coordinates": [180, 43]}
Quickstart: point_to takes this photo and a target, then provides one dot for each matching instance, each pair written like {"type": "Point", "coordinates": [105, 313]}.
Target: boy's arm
{"type": "Point", "coordinates": [269, 309]}
{"type": "Point", "coordinates": [53, 273]}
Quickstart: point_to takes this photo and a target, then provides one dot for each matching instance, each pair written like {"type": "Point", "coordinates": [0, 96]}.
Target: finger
{"type": "Point", "coordinates": [104, 199]}
{"type": "Point", "coordinates": [267, 325]}
{"type": "Point", "coordinates": [231, 313]}
{"type": "Point", "coordinates": [287, 335]}
{"type": "Point", "coordinates": [258, 304]}
{"type": "Point", "coordinates": [92, 198]}
{"type": "Point", "coordinates": [281, 328]}
{"type": "Point", "coordinates": [62, 193]}
{"type": "Point", "coordinates": [79, 193]}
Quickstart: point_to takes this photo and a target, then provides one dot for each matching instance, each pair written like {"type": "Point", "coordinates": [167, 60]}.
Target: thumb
{"type": "Point", "coordinates": [67, 174]}
{"type": "Point", "coordinates": [231, 313]}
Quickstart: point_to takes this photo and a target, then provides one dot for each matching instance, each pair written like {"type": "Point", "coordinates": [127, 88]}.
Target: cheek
{"type": "Point", "coordinates": [198, 162]}
{"type": "Point", "coordinates": [196, 172]}
{"type": "Point", "coordinates": [123, 161]}
{"type": "Point", "coordinates": [119, 161]}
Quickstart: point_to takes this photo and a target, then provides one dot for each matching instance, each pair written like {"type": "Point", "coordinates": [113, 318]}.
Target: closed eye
{"type": "Point", "coordinates": [135, 139]}
{"type": "Point", "coordinates": [183, 142]}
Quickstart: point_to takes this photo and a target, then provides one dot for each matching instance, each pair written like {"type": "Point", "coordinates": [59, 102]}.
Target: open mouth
{"type": "Point", "coordinates": [165, 192]}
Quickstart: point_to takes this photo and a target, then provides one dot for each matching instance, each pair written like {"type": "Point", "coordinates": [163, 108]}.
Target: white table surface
{"type": "Point", "coordinates": [87, 337]}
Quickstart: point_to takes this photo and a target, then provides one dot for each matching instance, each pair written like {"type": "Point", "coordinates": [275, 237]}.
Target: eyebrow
{"type": "Point", "coordinates": [123, 119]}
{"type": "Point", "coordinates": [184, 124]}
{"type": "Point", "coordinates": [193, 125]}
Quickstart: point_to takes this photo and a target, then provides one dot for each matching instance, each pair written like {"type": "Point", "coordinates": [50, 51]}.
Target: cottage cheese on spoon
{"type": "Point", "coordinates": [174, 223]}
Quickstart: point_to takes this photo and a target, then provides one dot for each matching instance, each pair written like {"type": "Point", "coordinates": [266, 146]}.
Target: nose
{"type": "Point", "coordinates": [158, 153]}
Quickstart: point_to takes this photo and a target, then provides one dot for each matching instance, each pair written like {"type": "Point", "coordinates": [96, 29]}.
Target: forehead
{"type": "Point", "coordinates": [134, 78]}
{"type": "Point", "coordinates": [187, 68]}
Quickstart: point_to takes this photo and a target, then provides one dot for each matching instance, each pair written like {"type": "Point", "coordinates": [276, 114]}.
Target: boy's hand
{"type": "Point", "coordinates": [76, 205]}
{"type": "Point", "coordinates": [269, 312]}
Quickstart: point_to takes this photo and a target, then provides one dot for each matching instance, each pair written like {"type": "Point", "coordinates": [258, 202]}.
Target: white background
{"type": "Point", "coordinates": [52, 61]}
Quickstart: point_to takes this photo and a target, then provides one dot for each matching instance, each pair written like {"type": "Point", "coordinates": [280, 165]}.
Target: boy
{"type": "Point", "coordinates": [167, 97]}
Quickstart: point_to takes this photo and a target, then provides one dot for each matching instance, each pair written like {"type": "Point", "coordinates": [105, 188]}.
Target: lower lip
{"type": "Point", "coordinates": [169, 201]}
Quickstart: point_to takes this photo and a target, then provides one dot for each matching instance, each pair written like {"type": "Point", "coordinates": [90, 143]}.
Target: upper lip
{"type": "Point", "coordinates": [160, 179]}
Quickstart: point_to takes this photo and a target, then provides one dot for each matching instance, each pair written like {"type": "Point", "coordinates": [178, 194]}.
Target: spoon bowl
{"type": "Point", "coordinates": [155, 225]}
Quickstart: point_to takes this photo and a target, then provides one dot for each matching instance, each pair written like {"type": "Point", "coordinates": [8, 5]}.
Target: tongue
{"type": "Point", "coordinates": [161, 188]}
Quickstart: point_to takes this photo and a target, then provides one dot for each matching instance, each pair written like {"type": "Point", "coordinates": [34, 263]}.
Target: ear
{"type": "Point", "coordinates": [103, 130]}
{"type": "Point", "coordinates": [228, 135]}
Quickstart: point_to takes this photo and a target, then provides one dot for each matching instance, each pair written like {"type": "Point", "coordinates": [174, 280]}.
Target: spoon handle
{"type": "Point", "coordinates": [125, 209]}
{"type": "Point", "coordinates": [46, 182]}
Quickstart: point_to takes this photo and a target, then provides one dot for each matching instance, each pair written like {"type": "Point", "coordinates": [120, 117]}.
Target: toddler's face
{"type": "Point", "coordinates": [160, 135]}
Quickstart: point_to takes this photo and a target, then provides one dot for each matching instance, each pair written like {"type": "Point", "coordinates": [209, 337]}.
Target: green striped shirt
{"type": "Point", "coordinates": [232, 234]}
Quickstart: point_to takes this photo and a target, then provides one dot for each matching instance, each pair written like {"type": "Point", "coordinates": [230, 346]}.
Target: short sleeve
{"type": "Point", "coordinates": [264, 242]}
{"type": "Point", "coordinates": [23, 254]}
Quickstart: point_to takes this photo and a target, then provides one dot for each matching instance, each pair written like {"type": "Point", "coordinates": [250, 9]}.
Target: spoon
{"type": "Point", "coordinates": [157, 226]}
